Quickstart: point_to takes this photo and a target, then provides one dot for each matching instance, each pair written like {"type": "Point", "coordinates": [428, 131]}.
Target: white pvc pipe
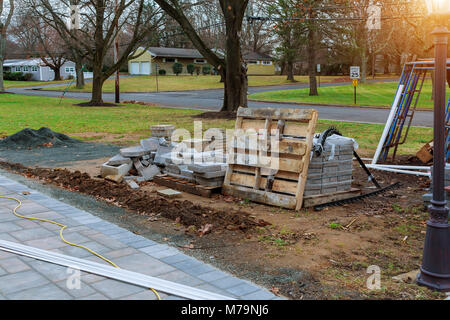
{"type": "Point", "coordinates": [388, 124]}
{"type": "Point", "coordinates": [394, 166]}
{"type": "Point", "coordinates": [417, 173]}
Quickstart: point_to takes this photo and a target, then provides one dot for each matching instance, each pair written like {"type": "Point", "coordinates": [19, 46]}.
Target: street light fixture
{"type": "Point", "coordinates": [435, 269]}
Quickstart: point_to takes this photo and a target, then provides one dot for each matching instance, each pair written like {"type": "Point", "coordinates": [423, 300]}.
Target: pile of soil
{"type": "Point", "coordinates": [142, 202]}
{"type": "Point", "coordinates": [30, 138]}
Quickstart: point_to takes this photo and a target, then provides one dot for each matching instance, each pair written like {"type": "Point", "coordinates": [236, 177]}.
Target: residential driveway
{"type": "Point", "coordinates": [212, 100]}
{"type": "Point", "coordinates": [27, 278]}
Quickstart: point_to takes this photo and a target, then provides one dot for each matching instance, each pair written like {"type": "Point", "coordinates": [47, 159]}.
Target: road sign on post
{"type": "Point", "coordinates": [318, 72]}
{"type": "Point", "coordinates": [355, 84]}
{"type": "Point", "coordinates": [355, 72]}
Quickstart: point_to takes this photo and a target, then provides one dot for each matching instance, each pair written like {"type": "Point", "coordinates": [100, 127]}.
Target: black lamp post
{"type": "Point", "coordinates": [435, 269]}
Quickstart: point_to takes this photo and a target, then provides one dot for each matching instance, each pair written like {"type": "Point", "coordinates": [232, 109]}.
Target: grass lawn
{"type": "Point", "coordinates": [126, 125]}
{"type": "Point", "coordinates": [370, 94]}
{"type": "Point", "coordinates": [186, 82]}
{"type": "Point", "coordinates": [17, 84]}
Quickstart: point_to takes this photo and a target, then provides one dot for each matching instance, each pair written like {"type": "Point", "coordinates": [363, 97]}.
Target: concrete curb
{"type": "Point", "coordinates": [330, 105]}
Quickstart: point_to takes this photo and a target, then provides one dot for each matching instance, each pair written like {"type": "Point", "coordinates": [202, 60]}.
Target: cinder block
{"type": "Point", "coordinates": [169, 193]}
{"type": "Point", "coordinates": [133, 152]}
{"type": "Point", "coordinates": [118, 159]}
{"type": "Point", "coordinates": [120, 170]}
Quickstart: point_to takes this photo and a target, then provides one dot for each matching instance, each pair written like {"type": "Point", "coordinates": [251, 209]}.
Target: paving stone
{"type": "Point", "coordinates": [46, 292]}
{"type": "Point", "coordinates": [144, 264]}
{"type": "Point", "coordinates": [175, 258]}
{"type": "Point", "coordinates": [90, 277]}
{"type": "Point", "coordinates": [7, 237]}
{"type": "Point", "coordinates": [150, 144]}
{"type": "Point", "coordinates": [49, 215]}
{"type": "Point", "coordinates": [142, 244]}
{"type": "Point", "coordinates": [4, 254]}
{"type": "Point", "coordinates": [200, 269]}
{"type": "Point", "coordinates": [227, 282]}
{"type": "Point", "coordinates": [132, 184]}
{"type": "Point", "coordinates": [32, 234]}
{"type": "Point", "coordinates": [211, 288]}
{"type": "Point", "coordinates": [107, 241]}
{"type": "Point", "coordinates": [204, 167]}
{"type": "Point", "coordinates": [27, 224]}
{"type": "Point", "coordinates": [19, 281]}
{"type": "Point", "coordinates": [213, 275]}
{"type": "Point", "coordinates": [95, 246]}
{"type": "Point", "coordinates": [121, 253]}
{"type": "Point", "coordinates": [119, 170]}
{"type": "Point", "coordinates": [243, 289]}
{"type": "Point", "coordinates": [169, 193]}
{"type": "Point", "coordinates": [75, 252]}
{"type": "Point", "coordinates": [154, 248]}
{"type": "Point", "coordinates": [32, 208]}
{"type": "Point", "coordinates": [51, 271]}
{"type": "Point", "coordinates": [2, 272]}
{"type": "Point", "coordinates": [174, 298]}
{"type": "Point", "coordinates": [259, 295]}
{"type": "Point", "coordinates": [181, 278]}
{"type": "Point", "coordinates": [9, 227]}
{"type": "Point", "coordinates": [46, 243]}
{"type": "Point", "coordinates": [165, 253]}
{"type": "Point", "coordinates": [14, 264]}
{"type": "Point", "coordinates": [118, 159]}
{"type": "Point", "coordinates": [115, 289]}
{"type": "Point", "coordinates": [133, 152]}
{"type": "Point", "coordinates": [84, 290]}
{"type": "Point", "coordinates": [96, 296]}
{"type": "Point", "coordinates": [144, 295]}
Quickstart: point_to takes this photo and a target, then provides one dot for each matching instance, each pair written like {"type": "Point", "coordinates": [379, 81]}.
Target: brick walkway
{"type": "Point", "coordinates": [26, 278]}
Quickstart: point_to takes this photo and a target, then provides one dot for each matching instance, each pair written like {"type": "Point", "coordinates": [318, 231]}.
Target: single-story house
{"type": "Point", "coordinates": [164, 58]}
{"type": "Point", "coordinates": [259, 63]}
{"type": "Point", "coordinates": [38, 69]}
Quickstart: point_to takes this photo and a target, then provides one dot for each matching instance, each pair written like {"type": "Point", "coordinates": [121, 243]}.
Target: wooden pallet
{"type": "Point", "coordinates": [311, 201]}
{"type": "Point", "coordinates": [247, 179]}
{"type": "Point", "coordinates": [184, 185]}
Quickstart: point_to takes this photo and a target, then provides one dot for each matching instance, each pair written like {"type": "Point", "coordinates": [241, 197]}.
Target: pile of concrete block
{"type": "Point", "coordinates": [331, 171]}
{"type": "Point", "coordinates": [208, 174]}
{"type": "Point", "coordinates": [140, 157]}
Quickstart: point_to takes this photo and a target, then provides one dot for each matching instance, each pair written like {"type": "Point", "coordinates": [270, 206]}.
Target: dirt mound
{"type": "Point", "coordinates": [142, 202]}
{"type": "Point", "coordinates": [30, 138]}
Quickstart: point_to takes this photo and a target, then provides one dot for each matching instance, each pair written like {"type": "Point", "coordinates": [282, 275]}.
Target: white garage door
{"type": "Point", "coordinates": [134, 68]}
{"type": "Point", "coordinates": [145, 68]}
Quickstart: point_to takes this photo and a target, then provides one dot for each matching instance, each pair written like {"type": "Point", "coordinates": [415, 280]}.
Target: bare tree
{"type": "Point", "coordinates": [4, 24]}
{"type": "Point", "coordinates": [231, 67]}
{"type": "Point", "coordinates": [100, 22]}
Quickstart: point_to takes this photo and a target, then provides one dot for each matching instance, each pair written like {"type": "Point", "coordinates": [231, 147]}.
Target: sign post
{"type": "Point", "coordinates": [355, 75]}
{"type": "Point", "coordinates": [156, 74]}
{"type": "Point", "coordinates": [318, 72]}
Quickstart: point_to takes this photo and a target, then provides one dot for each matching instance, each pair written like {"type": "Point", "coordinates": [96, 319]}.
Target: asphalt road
{"type": "Point", "coordinates": [212, 100]}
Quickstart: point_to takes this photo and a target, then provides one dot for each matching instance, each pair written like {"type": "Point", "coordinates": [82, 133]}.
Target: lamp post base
{"type": "Point", "coordinates": [435, 282]}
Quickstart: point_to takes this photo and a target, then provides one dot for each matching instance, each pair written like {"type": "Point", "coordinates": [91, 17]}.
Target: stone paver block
{"type": "Point", "coordinates": [259, 295]}
{"type": "Point", "coordinates": [96, 296]}
{"type": "Point", "coordinates": [169, 193]}
{"type": "Point", "coordinates": [107, 241]}
{"type": "Point", "coordinates": [47, 243]}
{"type": "Point", "coordinates": [84, 290]}
{"type": "Point", "coordinates": [213, 275]}
{"type": "Point", "coordinates": [90, 277]}
{"type": "Point", "coordinates": [211, 288]}
{"type": "Point", "coordinates": [49, 270]}
{"type": "Point", "coordinates": [115, 289]}
{"type": "Point", "coordinates": [27, 224]}
{"type": "Point", "coordinates": [46, 292]}
{"type": "Point", "coordinates": [32, 234]}
{"type": "Point", "coordinates": [243, 289]}
{"type": "Point", "coordinates": [200, 269]}
{"type": "Point", "coordinates": [227, 282]}
{"type": "Point", "coordinates": [133, 152]}
{"type": "Point", "coordinates": [132, 184]}
{"type": "Point", "coordinates": [2, 272]}
{"type": "Point", "coordinates": [165, 253]}
{"type": "Point", "coordinates": [14, 264]}
{"type": "Point", "coordinates": [9, 227]}
{"type": "Point", "coordinates": [144, 295]}
{"type": "Point", "coordinates": [118, 159]}
{"type": "Point", "coordinates": [20, 281]}
{"type": "Point", "coordinates": [120, 170]}
{"type": "Point", "coordinates": [144, 264]}
{"type": "Point", "coordinates": [181, 278]}
{"type": "Point", "coordinates": [142, 244]}
{"type": "Point", "coordinates": [121, 253]}
{"type": "Point", "coordinates": [175, 258]}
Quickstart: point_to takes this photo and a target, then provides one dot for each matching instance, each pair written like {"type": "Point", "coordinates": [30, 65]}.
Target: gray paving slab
{"type": "Point", "coordinates": [19, 281]}
{"type": "Point", "coordinates": [47, 292]}
{"type": "Point", "coordinates": [22, 277]}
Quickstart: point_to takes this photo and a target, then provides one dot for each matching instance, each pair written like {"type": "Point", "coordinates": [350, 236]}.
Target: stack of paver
{"type": "Point", "coordinates": [331, 171]}
{"type": "Point", "coordinates": [156, 155]}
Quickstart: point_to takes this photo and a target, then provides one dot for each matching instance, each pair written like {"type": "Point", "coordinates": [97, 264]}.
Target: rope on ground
{"type": "Point", "coordinates": [63, 227]}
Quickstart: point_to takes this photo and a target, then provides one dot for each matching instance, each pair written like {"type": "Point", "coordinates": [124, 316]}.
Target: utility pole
{"type": "Point", "coordinates": [116, 57]}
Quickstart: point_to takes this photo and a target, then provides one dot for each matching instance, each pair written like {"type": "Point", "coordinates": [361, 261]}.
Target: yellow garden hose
{"type": "Point", "coordinates": [62, 237]}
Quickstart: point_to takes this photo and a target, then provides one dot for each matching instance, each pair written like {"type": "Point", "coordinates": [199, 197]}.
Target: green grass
{"type": "Point", "coordinates": [370, 94]}
{"type": "Point", "coordinates": [18, 112]}
{"type": "Point", "coordinates": [184, 82]}
{"type": "Point", "coordinates": [19, 84]}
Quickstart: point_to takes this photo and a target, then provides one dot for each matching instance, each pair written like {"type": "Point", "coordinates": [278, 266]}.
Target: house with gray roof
{"type": "Point", "coordinates": [39, 70]}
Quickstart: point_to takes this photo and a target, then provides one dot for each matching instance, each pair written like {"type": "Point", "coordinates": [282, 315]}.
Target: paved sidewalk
{"type": "Point", "coordinates": [27, 278]}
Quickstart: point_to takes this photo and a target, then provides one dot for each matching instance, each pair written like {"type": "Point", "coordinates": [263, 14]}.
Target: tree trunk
{"type": "Point", "coordinates": [290, 70]}
{"type": "Point", "coordinates": [57, 72]}
{"type": "Point", "coordinates": [312, 61]}
{"type": "Point", "coordinates": [2, 57]}
{"type": "Point", "coordinates": [364, 59]}
{"type": "Point", "coordinates": [236, 77]}
{"type": "Point", "coordinates": [386, 64]}
{"type": "Point", "coordinates": [97, 85]}
{"type": "Point", "coordinates": [80, 75]}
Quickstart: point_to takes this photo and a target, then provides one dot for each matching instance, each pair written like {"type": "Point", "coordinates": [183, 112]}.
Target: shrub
{"type": "Point", "coordinates": [14, 76]}
{"type": "Point", "coordinates": [70, 77]}
{"type": "Point", "coordinates": [28, 76]}
{"type": "Point", "coordinates": [206, 70]}
{"type": "Point", "coordinates": [162, 72]}
{"type": "Point", "coordinates": [177, 68]}
{"type": "Point", "coordinates": [190, 69]}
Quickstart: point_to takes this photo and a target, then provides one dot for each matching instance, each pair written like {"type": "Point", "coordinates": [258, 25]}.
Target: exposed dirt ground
{"type": "Point", "coordinates": [301, 255]}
